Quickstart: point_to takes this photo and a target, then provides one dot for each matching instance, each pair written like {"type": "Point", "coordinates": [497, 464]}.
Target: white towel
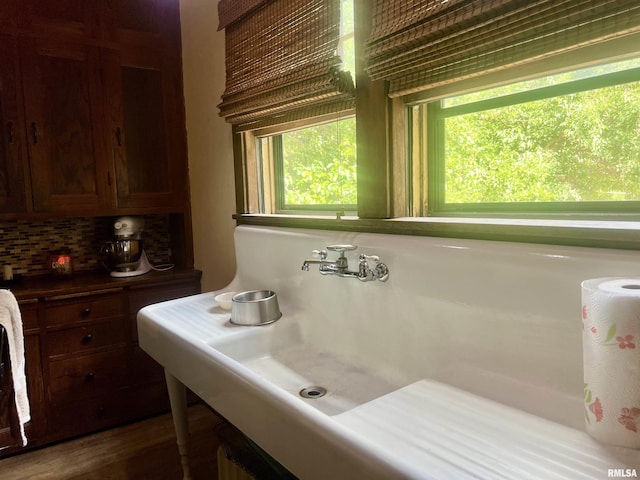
{"type": "Point", "coordinates": [11, 320]}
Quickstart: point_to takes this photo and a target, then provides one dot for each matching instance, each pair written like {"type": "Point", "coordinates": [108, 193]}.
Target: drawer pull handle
{"type": "Point", "coordinates": [87, 338]}
{"type": "Point", "coordinates": [10, 132]}
{"type": "Point", "coordinates": [91, 376]}
{"type": "Point", "coordinates": [86, 312]}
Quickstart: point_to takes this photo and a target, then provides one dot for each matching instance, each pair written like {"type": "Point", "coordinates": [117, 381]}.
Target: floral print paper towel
{"type": "Point", "coordinates": [611, 350]}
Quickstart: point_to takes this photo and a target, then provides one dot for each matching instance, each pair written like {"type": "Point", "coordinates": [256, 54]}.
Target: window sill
{"type": "Point", "coordinates": [584, 233]}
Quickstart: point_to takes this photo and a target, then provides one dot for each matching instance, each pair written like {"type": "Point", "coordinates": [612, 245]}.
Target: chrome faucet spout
{"type": "Point", "coordinates": [340, 267]}
{"type": "Point", "coordinates": [314, 261]}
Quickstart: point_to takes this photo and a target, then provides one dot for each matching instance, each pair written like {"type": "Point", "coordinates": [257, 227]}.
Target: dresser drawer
{"type": "Point", "coordinates": [83, 309]}
{"type": "Point", "coordinates": [85, 338]}
{"type": "Point", "coordinates": [79, 416]}
{"type": "Point", "coordinates": [87, 375]}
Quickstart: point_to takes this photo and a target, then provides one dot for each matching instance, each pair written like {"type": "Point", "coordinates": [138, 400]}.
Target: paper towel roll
{"type": "Point", "coordinates": [611, 349]}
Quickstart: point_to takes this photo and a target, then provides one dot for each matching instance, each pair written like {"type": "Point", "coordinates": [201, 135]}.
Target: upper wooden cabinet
{"type": "Point", "coordinates": [12, 154]}
{"type": "Point", "coordinates": [147, 128]}
{"type": "Point", "coordinates": [98, 22]}
{"type": "Point", "coordinates": [93, 118]}
{"type": "Point", "coordinates": [65, 128]}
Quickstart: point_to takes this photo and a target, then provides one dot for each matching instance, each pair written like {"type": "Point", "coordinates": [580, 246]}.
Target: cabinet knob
{"type": "Point", "coordinates": [86, 312]}
{"type": "Point", "coordinates": [87, 338]}
{"type": "Point", "coordinates": [91, 376]}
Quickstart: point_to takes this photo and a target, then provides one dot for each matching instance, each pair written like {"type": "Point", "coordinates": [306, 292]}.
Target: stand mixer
{"type": "Point", "coordinates": [125, 255]}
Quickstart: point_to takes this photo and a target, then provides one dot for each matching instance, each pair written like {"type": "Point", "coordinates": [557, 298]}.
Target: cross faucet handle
{"type": "Point", "coordinates": [378, 272]}
{"type": "Point", "coordinates": [342, 263]}
{"type": "Point", "coordinates": [321, 254]}
{"type": "Point", "coordinates": [341, 248]}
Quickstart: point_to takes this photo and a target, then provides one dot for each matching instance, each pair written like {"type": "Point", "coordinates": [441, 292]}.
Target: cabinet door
{"type": "Point", "coordinates": [65, 127]}
{"type": "Point", "coordinates": [9, 15]}
{"type": "Point", "coordinates": [143, 22]}
{"type": "Point", "coordinates": [78, 19]}
{"type": "Point", "coordinates": [12, 154]}
{"type": "Point", "coordinates": [147, 129]}
{"type": "Point", "coordinates": [33, 369]}
{"type": "Point", "coordinates": [9, 427]}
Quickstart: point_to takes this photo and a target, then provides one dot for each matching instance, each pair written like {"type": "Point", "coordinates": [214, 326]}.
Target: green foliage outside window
{"type": "Point", "coordinates": [579, 147]}
{"type": "Point", "coordinates": [319, 164]}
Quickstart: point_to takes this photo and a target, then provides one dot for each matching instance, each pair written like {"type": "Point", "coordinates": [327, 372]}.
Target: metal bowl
{"type": "Point", "coordinates": [256, 307]}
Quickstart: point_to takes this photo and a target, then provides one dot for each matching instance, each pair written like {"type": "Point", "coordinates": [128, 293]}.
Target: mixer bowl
{"type": "Point", "coordinates": [123, 255]}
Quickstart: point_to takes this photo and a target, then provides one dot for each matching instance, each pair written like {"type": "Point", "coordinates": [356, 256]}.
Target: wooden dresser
{"type": "Point", "coordinates": [85, 371]}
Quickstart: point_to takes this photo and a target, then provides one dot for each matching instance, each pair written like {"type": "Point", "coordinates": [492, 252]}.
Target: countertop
{"type": "Point", "coordinates": [31, 288]}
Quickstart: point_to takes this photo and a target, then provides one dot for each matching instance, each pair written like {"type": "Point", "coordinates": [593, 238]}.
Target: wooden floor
{"type": "Point", "coordinates": [144, 450]}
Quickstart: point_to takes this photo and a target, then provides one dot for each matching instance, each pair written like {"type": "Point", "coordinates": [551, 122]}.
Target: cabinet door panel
{"type": "Point", "coordinates": [9, 433]}
{"type": "Point", "coordinates": [71, 18]}
{"type": "Point", "coordinates": [147, 162]}
{"type": "Point", "coordinates": [12, 155]}
{"type": "Point", "coordinates": [33, 370]}
{"type": "Point", "coordinates": [147, 132]}
{"type": "Point", "coordinates": [9, 15]}
{"type": "Point", "coordinates": [143, 22]}
{"type": "Point", "coordinates": [9, 428]}
{"type": "Point", "coordinates": [65, 134]}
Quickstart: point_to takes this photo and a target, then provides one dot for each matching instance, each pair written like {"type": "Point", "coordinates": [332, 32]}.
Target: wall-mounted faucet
{"type": "Point", "coordinates": [340, 266]}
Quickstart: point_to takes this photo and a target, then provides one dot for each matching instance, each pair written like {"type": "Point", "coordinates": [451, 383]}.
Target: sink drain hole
{"type": "Point", "coordinates": [313, 392]}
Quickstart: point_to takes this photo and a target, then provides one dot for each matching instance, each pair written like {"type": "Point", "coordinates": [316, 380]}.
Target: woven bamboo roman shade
{"type": "Point", "coordinates": [281, 61]}
{"type": "Point", "coordinates": [230, 11]}
{"type": "Point", "coordinates": [419, 44]}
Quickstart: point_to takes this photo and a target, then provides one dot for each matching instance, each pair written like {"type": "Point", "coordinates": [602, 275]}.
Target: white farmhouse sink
{"type": "Point", "coordinates": [252, 375]}
{"type": "Point", "coordinates": [370, 424]}
{"type": "Point", "coordinates": [466, 364]}
{"type": "Point", "coordinates": [280, 356]}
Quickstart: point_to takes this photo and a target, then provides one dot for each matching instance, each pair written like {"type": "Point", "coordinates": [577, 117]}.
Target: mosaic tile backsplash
{"type": "Point", "coordinates": [26, 245]}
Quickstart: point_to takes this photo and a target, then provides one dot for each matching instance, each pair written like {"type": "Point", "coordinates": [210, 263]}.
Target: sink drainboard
{"type": "Point", "coordinates": [313, 392]}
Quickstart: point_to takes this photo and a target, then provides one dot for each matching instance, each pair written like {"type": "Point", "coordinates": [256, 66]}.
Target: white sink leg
{"type": "Point", "coordinates": [178, 399]}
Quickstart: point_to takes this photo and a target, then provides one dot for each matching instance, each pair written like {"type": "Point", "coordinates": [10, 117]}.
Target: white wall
{"type": "Point", "coordinates": [209, 143]}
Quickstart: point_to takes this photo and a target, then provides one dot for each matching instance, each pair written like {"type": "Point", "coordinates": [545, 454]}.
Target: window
{"type": "Point", "coordinates": [565, 143]}
{"type": "Point", "coordinates": [312, 169]}
{"type": "Point", "coordinates": [519, 120]}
